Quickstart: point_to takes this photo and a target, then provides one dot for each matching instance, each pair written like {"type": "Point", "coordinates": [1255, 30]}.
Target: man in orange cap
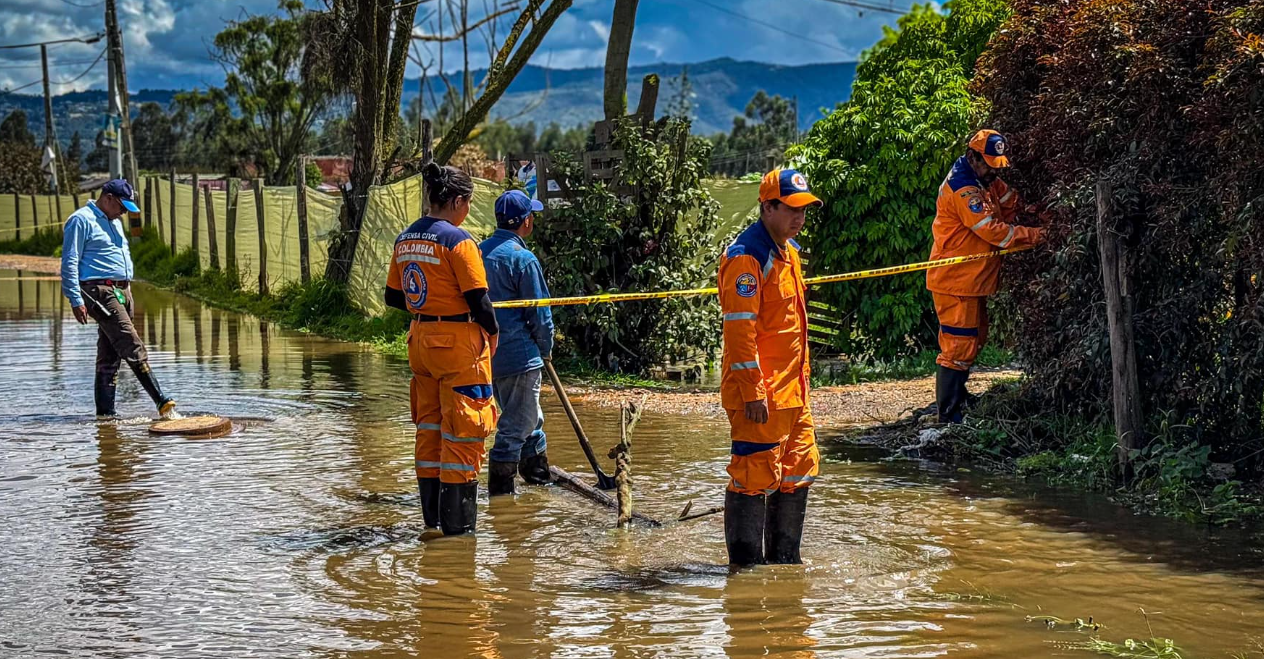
{"type": "Point", "coordinates": [975, 214]}
{"type": "Point", "coordinates": [764, 380]}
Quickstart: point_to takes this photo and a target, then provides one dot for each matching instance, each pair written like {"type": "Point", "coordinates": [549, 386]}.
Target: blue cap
{"type": "Point", "coordinates": [514, 206]}
{"type": "Point", "coordinates": [121, 189]}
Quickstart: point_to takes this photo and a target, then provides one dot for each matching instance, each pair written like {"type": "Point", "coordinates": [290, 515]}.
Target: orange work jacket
{"type": "Point", "coordinates": [973, 219]}
{"type": "Point", "coordinates": [762, 297]}
{"type": "Point", "coordinates": [434, 264]}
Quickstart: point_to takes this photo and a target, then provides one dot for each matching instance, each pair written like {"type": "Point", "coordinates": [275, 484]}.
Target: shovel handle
{"type": "Point", "coordinates": [570, 414]}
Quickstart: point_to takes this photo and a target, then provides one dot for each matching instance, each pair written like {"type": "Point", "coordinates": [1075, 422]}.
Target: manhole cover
{"type": "Point", "coordinates": [194, 426]}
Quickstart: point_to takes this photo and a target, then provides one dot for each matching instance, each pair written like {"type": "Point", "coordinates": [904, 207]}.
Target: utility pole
{"type": "Point", "coordinates": [116, 151]}
{"type": "Point", "coordinates": [125, 115]}
{"type": "Point", "coordinates": [50, 137]}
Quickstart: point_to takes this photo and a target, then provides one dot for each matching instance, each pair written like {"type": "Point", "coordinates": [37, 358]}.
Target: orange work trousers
{"type": "Point", "coordinates": [451, 396]}
{"type": "Point", "coordinates": [963, 328]}
{"type": "Point", "coordinates": [780, 454]}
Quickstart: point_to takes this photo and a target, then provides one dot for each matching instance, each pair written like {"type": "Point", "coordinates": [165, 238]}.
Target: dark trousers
{"type": "Point", "coordinates": [116, 333]}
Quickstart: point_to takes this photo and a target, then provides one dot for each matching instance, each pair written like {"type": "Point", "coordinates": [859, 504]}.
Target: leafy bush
{"type": "Point", "coordinates": [1161, 98]}
{"type": "Point", "coordinates": [46, 242]}
{"type": "Point", "coordinates": [878, 160]}
{"type": "Point", "coordinates": [654, 236]}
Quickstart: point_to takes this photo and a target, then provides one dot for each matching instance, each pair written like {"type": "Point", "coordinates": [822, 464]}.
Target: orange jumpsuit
{"type": "Point", "coordinates": [451, 393]}
{"type": "Point", "coordinates": [762, 297]}
{"type": "Point", "coordinates": [970, 219]}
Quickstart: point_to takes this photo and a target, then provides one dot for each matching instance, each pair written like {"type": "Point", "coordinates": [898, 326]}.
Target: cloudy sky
{"type": "Point", "coordinates": [167, 40]}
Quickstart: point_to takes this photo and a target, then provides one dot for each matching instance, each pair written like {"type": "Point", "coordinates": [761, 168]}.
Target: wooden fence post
{"type": "Point", "coordinates": [230, 228]}
{"type": "Point", "coordinates": [196, 246]}
{"type": "Point", "coordinates": [148, 210]}
{"type": "Point", "coordinates": [305, 271]}
{"type": "Point", "coordinates": [75, 197]}
{"type": "Point", "coordinates": [173, 212]}
{"type": "Point", "coordinates": [57, 201]}
{"type": "Point", "coordinates": [263, 238]}
{"type": "Point", "coordinates": [34, 215]}
{"type": "Point", "coordinates": [1125, 385]}
{"type": "Point", "coordinates": [17, 217]}
{"type": "Point", "coordinates": [158, 207]}
{"type": "Point", "coordinates": [212, 237]}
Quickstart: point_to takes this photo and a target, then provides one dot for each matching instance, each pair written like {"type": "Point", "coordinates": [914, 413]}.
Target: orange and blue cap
{"type": "Point", "coordinates": [992, 146]}
{"type": "Point", "coordinates": [787, 186]}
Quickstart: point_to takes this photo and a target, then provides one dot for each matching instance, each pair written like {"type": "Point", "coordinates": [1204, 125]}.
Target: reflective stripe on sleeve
{"type": "Point", "coordinates": [741, 315]}
{"type": "Point", "coordinates": [1007, 196]}
{"type": "Point", "coordinates": [742, 366]}
{"type": "Point", "coordinates": [462, 440]}
{"type": "Point", "coordinates": [428, 426]}
{"type": "Point", "coordinates": [426, 464]}
{"type": "Point", "coordinates": [455, 466]}
{"type": "Point", "coordinates": [1008, 237]}
{"type": "Point", "coordinates": [405, 258]}
{"type": "Point", "coordinates": [982, 223]}
{"type": "Point", "coordinates": [798, 479]}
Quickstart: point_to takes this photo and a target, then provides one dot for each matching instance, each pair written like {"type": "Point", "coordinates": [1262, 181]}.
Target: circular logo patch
{"type": "Point", "coordinates": [746, 285]}
{"type": "Point", "coordinates": [799, 182]}
{"type": "Point", "coordinates": [414, 287]}
{"type": "Point", "coordinates": [976, 204]}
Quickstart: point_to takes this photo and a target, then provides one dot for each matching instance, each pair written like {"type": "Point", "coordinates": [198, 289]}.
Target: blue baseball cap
{"type": "Point", "coordinates": [121, 189]}
{"type": "Point", "coordinates": [514, 206]}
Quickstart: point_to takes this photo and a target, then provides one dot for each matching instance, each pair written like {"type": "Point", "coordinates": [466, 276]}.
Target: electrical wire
{"type": "Point", "coordinates": [18, 89]}
{"type": "Point", "coordinates": [89, 38]}
{"type": "Point", "coordinates": [87, 6]}
{"type": "Point", "coordinates": [772, 27]}
{"type": "Point", "coordinates": [858, 4]}
{"type": "Point", "coordinates": [81, 75]}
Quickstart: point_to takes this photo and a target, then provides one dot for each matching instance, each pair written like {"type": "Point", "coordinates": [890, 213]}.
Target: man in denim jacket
{"type": "Point", "coordinates": [526, 340]}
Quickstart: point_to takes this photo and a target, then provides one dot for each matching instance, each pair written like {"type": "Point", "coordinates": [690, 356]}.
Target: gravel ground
{"type": "Point", "coordinates": [46, 264]}
{"type": "Point", "coordinates": [858, 405]}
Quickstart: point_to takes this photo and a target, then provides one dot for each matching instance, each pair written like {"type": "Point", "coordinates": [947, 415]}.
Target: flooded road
{"type": "Point", "coordinates": [298, 536]}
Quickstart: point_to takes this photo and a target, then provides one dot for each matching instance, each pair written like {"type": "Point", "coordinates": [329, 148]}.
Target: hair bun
{"type": "Point", "coordinates": [433, 174]}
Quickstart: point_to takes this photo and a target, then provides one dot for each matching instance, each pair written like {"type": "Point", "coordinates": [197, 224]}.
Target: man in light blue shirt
{"type": "Point", "coordinates": [526, 340]}
{"type": "Point", "coordinates": [96, 276]}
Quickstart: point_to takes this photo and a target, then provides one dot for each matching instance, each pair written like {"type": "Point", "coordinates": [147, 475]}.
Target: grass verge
{"type": "Point", "coordinates": [825, 374]}
{"type": "Point", "coordinates": [46, 242]}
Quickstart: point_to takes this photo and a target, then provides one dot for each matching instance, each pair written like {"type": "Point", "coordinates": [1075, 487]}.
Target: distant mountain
{"type": "Point", "coordinates": [721, 89]}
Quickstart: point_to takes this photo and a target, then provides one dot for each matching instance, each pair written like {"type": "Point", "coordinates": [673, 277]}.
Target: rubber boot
{"type": "Point", "coordinates": [783, 529]}
{"type": "Point", "coordinates": [150, 383]}
{"type": "Point", "coordinates": [103, 392]}
{"type": "Point", "coordinates": [744, 527]}
{"type": "Point", "coordinates": [500, 477]}
{"type": "Point", "coordinates": [949, 388]}
{"type": "Point", "coordinates": [429, 489]}
{"type": "Point", "coordinates": [535, 469]}
{"type": "Point", "coordinates": [458, 507]}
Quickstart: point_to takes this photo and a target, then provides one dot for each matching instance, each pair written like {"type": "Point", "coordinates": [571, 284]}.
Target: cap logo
{"type": "Point", "coordinates": [798, 181]}
{"type": "Point", "coordinates": [999, 147]}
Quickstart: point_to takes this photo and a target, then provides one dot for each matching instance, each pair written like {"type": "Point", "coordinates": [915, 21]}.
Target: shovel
{"type": "Point", "coordinates": [604, 480]}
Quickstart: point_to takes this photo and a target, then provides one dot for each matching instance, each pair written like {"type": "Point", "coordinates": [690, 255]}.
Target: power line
{"type": "Point", "coordinates": [18, 89]}
{"type": "Point", "coordinates": [858, 4]}
{"type": "Point", "coordinates": [51, 66]}
{"type": "Point", "coordinates": [772, 27]}
{"type": "Point", "coordinates": [87, 6]}
{"type": "Point", "coordinates": [85, 72]}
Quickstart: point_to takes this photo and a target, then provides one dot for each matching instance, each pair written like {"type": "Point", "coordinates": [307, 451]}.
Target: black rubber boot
{"type": "Point", "coordinates": [103, 392]}
{"type": "Point", "coordinates": [429, 488]}
{"type": "Point", "coordinates": [744, 527]}
{"type": "Point", "coordinates": [950, 386]}
{"type": "Point", "coordinates": [535, 469]}
{"type": "Point", "coordinates": [458, 507]}
{"type": "Point", "coordinates": [500, 477]}
{"type": "Point", "coordinates": [150, 383]}
{"type": "Point", "coordinates": [783, 529]}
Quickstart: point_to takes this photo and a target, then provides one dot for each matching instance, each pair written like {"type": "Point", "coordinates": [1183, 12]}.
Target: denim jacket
{"type": "Point", "coordinates": [514, 273]}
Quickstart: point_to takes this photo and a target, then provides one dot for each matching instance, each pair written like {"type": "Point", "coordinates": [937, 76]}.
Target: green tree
{"type": "Point", "coordinates": [763, 131]}
{"type": "Point", "coordinates": [74, 159]}
{"type": "Point", "coordinates": [271, 98]}
{"type": "Point", "coordinates": [15, 129]}
{"type": "Point", "coordinates": [154, 137]}
{"type": "Point", "coordinates": [650, 230]}
{"type": "Point", "coordinates": [98, 159]}
{"type": "Point", "coordinates": [877, 162]}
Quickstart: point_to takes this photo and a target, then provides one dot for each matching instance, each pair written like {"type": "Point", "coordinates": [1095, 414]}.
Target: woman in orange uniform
{"type": "Point", "coordinates": [437, 275]}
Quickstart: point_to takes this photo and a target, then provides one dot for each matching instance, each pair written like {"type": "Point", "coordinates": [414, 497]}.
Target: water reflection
{"type": "Point", "coordinates": [299, 534]}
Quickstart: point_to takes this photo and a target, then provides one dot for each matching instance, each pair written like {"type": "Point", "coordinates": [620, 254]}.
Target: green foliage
{"type": "Point", "coordinates": [1163, 102]}
{"type": "Point", "coordinates": [15, 129]}
{"type": "Point", "coordinates": [654, 236]}
{"type": "Point", "coordinates": [878, 160]}
{"type": "Point", "coordinates": [902, 368]}
{"type": "Point", "coordinates": [768, 125]}
{"type": "Point", "coordinates": [269, 103]}
{"type": "Point", "coordinates": [19, 157]}
{"type": "Point", "coordinates": [312, 175]}
{"type": "Point", "coordinates": [154, 135]}
{"type": "Point", "coordinates": [45, 242]}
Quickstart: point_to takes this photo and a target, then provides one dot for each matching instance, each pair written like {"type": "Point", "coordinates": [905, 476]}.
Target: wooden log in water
{"type": "Point", "coordinates": [579, 486]}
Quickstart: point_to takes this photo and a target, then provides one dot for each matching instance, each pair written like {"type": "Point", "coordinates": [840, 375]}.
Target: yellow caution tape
{"type": "Point", "coordinates": [827, 279]}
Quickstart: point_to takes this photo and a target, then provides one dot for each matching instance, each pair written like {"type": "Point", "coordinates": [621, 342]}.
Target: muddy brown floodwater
{"type": "Point", "coordinates": [297, 535]}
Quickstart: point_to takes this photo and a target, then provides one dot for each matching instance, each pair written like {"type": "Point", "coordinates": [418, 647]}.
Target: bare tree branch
{"type": "Point", "coordinates": [436, 38]}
